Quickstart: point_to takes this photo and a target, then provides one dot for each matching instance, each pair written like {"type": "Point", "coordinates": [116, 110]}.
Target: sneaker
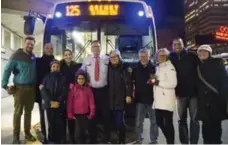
{"type": "Point", "coordinates": [138, 142]}
{"type": "Point", "coordinates": [154, 142]}
{"type": "Point", "coordinates": [29, 137]}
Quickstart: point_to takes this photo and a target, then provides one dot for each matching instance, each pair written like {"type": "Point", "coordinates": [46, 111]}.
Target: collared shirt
{"type": "Point", "coordinates": [89, 66]}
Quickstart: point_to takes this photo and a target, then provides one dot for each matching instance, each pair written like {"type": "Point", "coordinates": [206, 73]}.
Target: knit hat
{"type": "Point", "coordinates": [206, 48]}
{"type": "Point", "coordinates": [83, 73]}
{"type": "Point", "coordinates": [54, 62]}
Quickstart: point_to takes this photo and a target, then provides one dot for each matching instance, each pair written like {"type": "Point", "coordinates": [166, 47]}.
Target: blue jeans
{"type": "Point", "coordinates": [141, 111]}
{"type": "Point", "coordinates": [182, 106]}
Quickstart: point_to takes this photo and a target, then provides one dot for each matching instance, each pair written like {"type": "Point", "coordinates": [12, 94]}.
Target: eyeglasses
{"type": "Point", "coordinates": [112, 57]}
{"type": "Point", "coordinates": [81, 78]}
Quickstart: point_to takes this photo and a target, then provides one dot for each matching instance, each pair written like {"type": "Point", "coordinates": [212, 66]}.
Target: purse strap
{"type": "Point", "coordinates": [205, 82]}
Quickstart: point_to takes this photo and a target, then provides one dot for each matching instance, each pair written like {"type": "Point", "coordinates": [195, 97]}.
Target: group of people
{"type": "Point", "coordinates": [98, 90]}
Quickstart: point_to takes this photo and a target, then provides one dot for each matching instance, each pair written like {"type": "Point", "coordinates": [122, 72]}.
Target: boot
{"type": "Point", "coordinates": [16, 140]}
{"type": "Point", "coordinates": [121, 135]}
{"type": "Point", "coordinates": [29, 137]}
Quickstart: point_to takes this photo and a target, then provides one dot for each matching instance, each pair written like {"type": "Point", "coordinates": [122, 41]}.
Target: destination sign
{"type": "Point", "coordinates": [93, 10]}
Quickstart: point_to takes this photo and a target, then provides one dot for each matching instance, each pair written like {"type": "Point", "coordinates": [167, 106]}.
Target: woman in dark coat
{"type": "Point", "coordinates": [42, 69]}
{"type": "Point", "coordinates": [120, 91]}
{"type": "Point", "coordinates": [212, 101]}
{"type": "Point", "coordinates": [68, 69]}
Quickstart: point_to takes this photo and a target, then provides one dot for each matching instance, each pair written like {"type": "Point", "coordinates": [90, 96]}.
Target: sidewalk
{"type": "Point", "coordinates": [7, 125]}
{"type": "Point", "coordinates": [7, 119]}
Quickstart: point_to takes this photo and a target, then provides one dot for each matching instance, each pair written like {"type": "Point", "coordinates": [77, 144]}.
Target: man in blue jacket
{"type": "Point", "coordinates": [22, 65]}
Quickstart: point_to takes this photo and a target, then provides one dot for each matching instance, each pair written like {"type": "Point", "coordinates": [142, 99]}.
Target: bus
{"type": "Point", "coordinates": [127, 25]}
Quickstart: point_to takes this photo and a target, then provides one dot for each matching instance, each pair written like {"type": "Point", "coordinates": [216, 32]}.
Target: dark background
{"type": "Point", "coordinates": [164, 10]}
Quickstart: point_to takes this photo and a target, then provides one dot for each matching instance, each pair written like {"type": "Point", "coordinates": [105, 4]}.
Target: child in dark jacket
{"type": "Point", "coordinates": [54, 91]}
{"type": "Point", "coordinates": [80, 105]}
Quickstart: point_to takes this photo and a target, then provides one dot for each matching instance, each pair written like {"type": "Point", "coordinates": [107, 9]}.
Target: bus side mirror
{"type": "Point", "coordinates": [29, 25]}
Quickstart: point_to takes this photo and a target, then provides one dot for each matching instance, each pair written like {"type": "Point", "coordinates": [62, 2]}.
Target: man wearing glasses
{"type": "Point", "coordinates": [96, 66]}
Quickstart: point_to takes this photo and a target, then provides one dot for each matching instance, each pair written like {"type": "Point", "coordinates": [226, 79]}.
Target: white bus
{"type": "Point", "coordinates": [127, 25]}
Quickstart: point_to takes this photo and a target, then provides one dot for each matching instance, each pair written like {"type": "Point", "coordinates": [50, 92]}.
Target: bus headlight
{"type": "Point", "coordinates": [58, 14]}
{"type": "Point", "coordinates": [141, 13]}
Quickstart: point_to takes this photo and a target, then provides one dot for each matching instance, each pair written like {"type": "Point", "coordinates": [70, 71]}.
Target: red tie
{"type": "Point", "coordinates": [97, 68]}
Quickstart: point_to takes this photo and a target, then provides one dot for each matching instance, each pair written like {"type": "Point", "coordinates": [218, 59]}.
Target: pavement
{"type": "Point", "coordinates": [7, 125]}
{"type": "Point", "coordinates": [7, 119]}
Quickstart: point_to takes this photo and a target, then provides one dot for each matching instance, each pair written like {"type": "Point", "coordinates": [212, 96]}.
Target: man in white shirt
{"type": "Point", "coordinates": [96, 66]}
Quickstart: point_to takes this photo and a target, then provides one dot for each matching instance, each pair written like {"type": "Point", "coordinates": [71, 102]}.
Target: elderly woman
{"type": "Point", "coordinates": [120, 91]}
{"type": "Point", "coordinates": [212, 95]}
{"type": "Point", "coordinates": [164, 82]}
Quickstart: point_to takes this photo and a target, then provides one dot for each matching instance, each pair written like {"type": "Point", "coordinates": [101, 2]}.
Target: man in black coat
{"type": "Point", "coordinates": [144, 96]}
{"type": "Point", "coordinates": [213, 95]}
{"type": "Point", "coordinates": [185, 63]}
{"type": "Point", "coordinates": [43, 68]}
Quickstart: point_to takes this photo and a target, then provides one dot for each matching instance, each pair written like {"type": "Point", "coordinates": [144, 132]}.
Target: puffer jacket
{"type": "Point", "coordinates": [80, 100]}
{"type": "Point", "coordinates": [164, 92]}
{"type": "Point", "coordinates": [55, 89]}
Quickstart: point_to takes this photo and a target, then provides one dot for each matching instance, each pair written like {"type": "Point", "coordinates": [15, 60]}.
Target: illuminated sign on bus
{"type": "Point", "coordinates": [94, 10]}
{"type": "Point", "coordinates": [222, 33]}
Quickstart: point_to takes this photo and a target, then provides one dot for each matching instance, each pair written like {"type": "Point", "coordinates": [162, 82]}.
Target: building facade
{"type": "Point", "coordinates": [205, 17]}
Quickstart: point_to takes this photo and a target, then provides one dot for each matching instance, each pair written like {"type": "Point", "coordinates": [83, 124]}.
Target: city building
{"type": "Point", "coordinates": [206, 17]}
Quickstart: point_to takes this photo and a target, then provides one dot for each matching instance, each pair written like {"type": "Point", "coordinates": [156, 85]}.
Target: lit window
{"type": "Point", "coordinates": [191, 4]}
{"type": "Point", "coordinates": [205, 3]}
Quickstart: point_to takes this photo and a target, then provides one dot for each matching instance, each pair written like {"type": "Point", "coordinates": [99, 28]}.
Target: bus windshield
{"type": "Point", "coordinates": [76, 33]}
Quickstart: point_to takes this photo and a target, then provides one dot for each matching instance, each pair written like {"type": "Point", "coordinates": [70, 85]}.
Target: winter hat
{"type": "Point", "coordinates": [83, 73]}
{"type": "Point", "coordinates": [54, 62]}
{"type": "Point", "coordinates": [206, 48]}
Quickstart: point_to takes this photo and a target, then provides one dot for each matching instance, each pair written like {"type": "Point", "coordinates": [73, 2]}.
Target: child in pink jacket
{"type": "Point", "coordinates": [80, 105]}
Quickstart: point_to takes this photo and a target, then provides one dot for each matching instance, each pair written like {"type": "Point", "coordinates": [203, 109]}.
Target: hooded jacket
{"type": "Point", "coordinates": [55, 89]}
{"type": "Point", "coordinates": [80, 99]}
{"type": "Point", "coordinates": [164, 92]}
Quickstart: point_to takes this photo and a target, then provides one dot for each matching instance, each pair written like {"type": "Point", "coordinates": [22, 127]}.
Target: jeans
{"type": "Point", "coordinates": [164, 120]}
{"type": "Point", "coordinates": [118, 116]}
{"type": "Point", "coordinates": [182, 105]}
{"type": "Point", "coordinates": [141, 111]}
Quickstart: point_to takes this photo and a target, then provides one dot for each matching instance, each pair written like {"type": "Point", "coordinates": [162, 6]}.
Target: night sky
{"type": "Point", "coordinates": [166, 9]}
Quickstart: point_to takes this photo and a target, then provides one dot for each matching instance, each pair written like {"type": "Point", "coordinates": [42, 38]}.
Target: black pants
{"type": "Point", "coordinates": [118, 117]}
{"type": "Point", "coordinates": [81, 127]}
{"type": "Point", "coordinates": [164, 120]}
{"type": "Point", "coordinates": [56, 131]}
{"type": "Point", "coordinates": [71, 128]}
{"type": "Point", "coordinates": [102, 114]}
{"type": "Point", "coordinates": [42, 122]}
{"type": "Point", "coordinates": [212, 131]}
